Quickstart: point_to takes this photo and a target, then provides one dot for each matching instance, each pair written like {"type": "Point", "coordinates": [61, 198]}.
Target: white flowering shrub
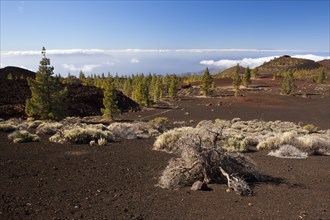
{"type": "Point", "coordinates": [34, 124]}
{"type": "Point", "coordinates": [132, 130]}
{"type": "Point", "coordinates": [23, 136]}
{"type": "Point", "coordinates": [81, 134]}
{"type": "Point", "coordinates": [48, 128]}
{"type": "Point", "coordinates": [288, 151]}
{"type": "Point", "coordinates": [6, 126]}
{"type": "Point", "coordinates": [170, 141]}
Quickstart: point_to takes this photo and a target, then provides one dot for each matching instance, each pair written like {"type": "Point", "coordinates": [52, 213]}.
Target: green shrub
{"type": "Point", "coordinates": [85, 135]}
{"type": "Point", "coordinates": [311, 128]}
{"type": "Point", "coordinates": [23, 136]}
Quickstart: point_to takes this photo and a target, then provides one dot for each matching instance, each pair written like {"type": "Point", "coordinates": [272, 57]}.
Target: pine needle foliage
{"type": "Point", "coordinates": [236, 80]}
{"type": "Point", "coordinates": [288, 85]}
{"type": "Point", "coordinates": [247, 77]}
{"type": "Point", "coordinates": [110, 102]}
{"type": "Point", "coordinates": [321, 77]}
{"type": "Point", "coordinates": [207, 81]}
{"type": "Point", "coordinates": [48, 98]}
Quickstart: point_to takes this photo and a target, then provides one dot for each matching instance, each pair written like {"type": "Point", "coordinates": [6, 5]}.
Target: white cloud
{"type": "Point", "coordinates": [254, 62]}
{"type": "Point", "coordinates": [207, 62]}
{"type": "Point", "coordinates": [134, 60]}
{"type": "Point", "coordinates": [84, 68]}
{"type": "Point", "coordinates": [251, 62]}
{"type": "Point", "coordinates": [312, 57]}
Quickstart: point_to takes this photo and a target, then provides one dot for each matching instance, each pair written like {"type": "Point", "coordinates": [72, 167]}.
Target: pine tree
{"type": "Point", "coordinates": [236, 80]}
{"type": "Point", "coordinates": [288, 85]}
{"type": "Point", "coordinates": [10, 76]}
{"type": "Point", "coordinates": [247, 77]}
{"type": "Point", "coordinates": [48, 99]}
{"type": "Point", "coordinates": [110, 102]}
{"type": "Point", "coordinates": [127, 88]}
{"type": "Point", "coordinates": [172, 90]}
{"type": "Point", "coordinates": [157, 90]}
{"type": "Point", "coordinates": [254, 73]}
{"type": "Point", "coordinates": [81, 75]}
{"type": "Point", "coordinates": [321, 77]}
{"type": "Point", "coordinates": [141, 91]}
{"type": "Point", "coordinates": [206, 83]}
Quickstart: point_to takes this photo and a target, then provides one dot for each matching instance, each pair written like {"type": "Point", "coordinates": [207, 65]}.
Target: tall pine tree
{"type": "Point", "coordinates": [236, 80]}
{"type": "Point", "coordinates": [207, 81]}
{"type": "Point", "coordinates": [288, 85]}
{"type": "Point", "coordinates": [247, 77]}
{"type": "Point", "coordinates": [110, 99]}
{"type": "Point", "coordinates": [48, 98]}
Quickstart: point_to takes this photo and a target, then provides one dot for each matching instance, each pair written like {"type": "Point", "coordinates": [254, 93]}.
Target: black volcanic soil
{"type": "Point", "coordinates": [51, 181]}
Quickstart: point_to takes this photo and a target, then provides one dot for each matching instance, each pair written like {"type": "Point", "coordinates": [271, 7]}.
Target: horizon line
{"type": "Point", "coordinates": [110, 51]}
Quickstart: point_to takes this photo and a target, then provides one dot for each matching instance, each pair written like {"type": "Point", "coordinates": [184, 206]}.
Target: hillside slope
{"type": "Point", "coordinates": [230, 71]}
{"type": "Point", "coordinates": [16, 72]}
{"type": "Point", "coordinates": [285, 63]}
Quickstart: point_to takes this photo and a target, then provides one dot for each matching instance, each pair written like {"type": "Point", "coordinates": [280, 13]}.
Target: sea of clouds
{"type": "Point", "coordinates": [132, 61]}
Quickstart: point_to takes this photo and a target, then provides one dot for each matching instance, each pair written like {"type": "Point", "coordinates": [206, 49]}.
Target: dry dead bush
{"type": "Point", "coordinates": [198, 160]}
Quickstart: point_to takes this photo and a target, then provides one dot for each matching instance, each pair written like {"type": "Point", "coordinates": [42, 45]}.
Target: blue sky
{"type": "Point", "coordinates": [158, 30]}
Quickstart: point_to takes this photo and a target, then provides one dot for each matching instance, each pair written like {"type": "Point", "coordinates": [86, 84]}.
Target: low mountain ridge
{"type": "Point", "coordinates": [286, 63]}
{"type": "Point", "coordinates": [230, 71]}
{"type": "Point", "coordinates": [17, 72]}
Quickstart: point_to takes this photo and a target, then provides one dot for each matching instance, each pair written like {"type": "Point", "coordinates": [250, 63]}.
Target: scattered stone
{"type": "Point", "coordinates": [198, 185]}
{"type": "Point", "coordinates": [187, 113]}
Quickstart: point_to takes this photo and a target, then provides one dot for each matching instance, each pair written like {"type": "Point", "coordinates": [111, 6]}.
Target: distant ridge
{"type": "Point", "coordinates": [325, 63]}
{"type": "Point", "coordinates": [230, 71]}
{"type": "Point", "coordinates": [285, 63]}
{"type": "Point", "coordinates": [16, 72]}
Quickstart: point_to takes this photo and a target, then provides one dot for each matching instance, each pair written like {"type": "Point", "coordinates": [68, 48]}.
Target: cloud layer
{"type": "Point", "coordinates": [254, 62]}
{"type": "Point", "coordinates": [129, 61]}
{"type": "Point", "coordinates": [107, 52]}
